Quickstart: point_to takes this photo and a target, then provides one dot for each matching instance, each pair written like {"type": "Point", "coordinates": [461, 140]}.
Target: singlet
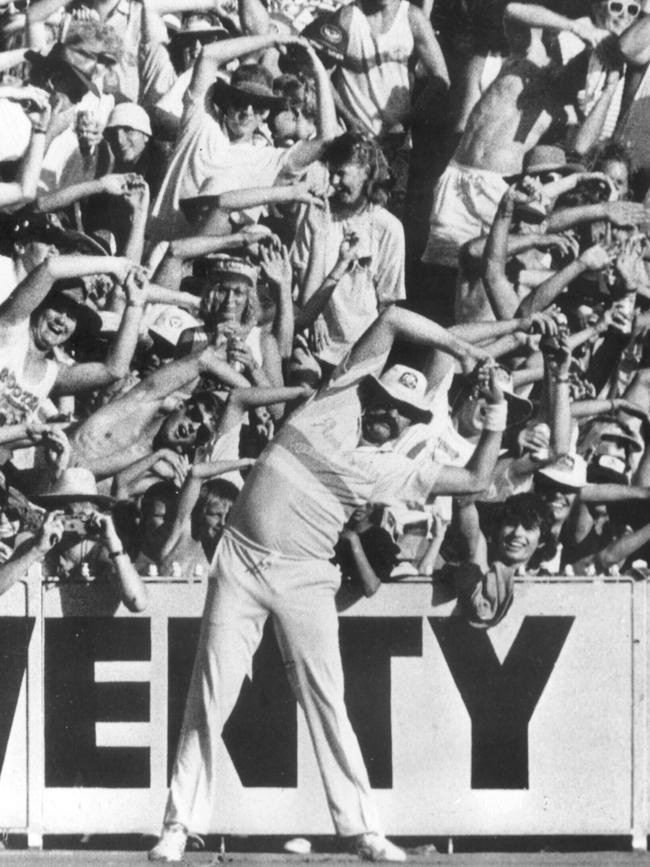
{"type": "Point", "coordinates": [21, 392]}
{"type": "Point", "coordinates": [374, 77]}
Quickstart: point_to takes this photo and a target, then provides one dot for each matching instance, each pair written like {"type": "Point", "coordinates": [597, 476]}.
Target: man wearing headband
{"type": "Point", "coordinates": [332, 456]}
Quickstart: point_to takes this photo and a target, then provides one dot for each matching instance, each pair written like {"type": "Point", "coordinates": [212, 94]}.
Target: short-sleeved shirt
{"type": "Point", "coordinates": [203, 150]}
{"type": "Point", "coordinates": [372, 283]}
{"type": "Point", "coordinates": [314, 474]}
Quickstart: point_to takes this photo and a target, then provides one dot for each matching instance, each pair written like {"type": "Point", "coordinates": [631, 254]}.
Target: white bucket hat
{"type": "Point", "coordinates": [131, 115]}
{"type": "Point", "coordinates": [406, 387]}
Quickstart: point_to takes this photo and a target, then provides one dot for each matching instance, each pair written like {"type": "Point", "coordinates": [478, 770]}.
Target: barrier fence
{"type": "Point", "coordinates": [536, 727]}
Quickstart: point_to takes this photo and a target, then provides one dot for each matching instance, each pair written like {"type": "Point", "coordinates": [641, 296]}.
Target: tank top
{"type": "Point", "coordinates": [374, 77]}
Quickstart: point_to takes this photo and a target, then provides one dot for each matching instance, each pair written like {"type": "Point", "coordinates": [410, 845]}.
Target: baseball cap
{"type": "Point", "coordinates": [208, 267]}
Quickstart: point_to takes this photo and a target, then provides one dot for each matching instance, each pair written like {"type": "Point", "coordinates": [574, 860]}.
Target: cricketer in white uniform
{"type": "Point", "coordinates": [332, 455]}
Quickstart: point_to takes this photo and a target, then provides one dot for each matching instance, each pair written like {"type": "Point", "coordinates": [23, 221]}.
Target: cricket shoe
{"type": "Point", "coordinates": [171, 846]}
{"type": "Point", "coordinates": [375, 847]}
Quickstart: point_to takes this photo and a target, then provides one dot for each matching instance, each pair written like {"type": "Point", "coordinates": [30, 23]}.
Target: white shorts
{"type": "Point", "coordinates": [465, 202]}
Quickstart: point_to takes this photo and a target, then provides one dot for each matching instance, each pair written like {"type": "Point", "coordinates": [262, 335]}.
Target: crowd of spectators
{"type": "Point", "coordinates": [205, 204]}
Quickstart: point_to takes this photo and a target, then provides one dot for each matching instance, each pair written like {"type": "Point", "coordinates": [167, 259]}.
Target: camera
{"type": "Point", "coordinates": [79, 525]}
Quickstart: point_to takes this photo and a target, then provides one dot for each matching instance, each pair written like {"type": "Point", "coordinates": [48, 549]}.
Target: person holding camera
{"type": "Point", "coordinates": [79, 540]}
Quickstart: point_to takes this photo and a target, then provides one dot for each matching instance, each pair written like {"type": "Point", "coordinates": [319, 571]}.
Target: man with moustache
{"type": "Point", "coordinates": [374, 279]}
{"type": "Point", "coordinates": [332, 456]}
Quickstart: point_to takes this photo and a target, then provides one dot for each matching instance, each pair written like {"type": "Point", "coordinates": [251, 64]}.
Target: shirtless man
{"type": "Point", "coordinates": [139, 422]}
{"type": "Point", "coordinates": [333, 455]}
{"type": "Point", "coordinates": [510, 118]}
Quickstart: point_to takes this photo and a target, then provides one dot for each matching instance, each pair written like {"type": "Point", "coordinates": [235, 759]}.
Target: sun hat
{"type": "Point", "coordinates": [74, 484]}
{"type": "Point", "coordinates": [197, 27]}
{"type": "Point", "coordinates": [131, 115]}
{"type": "Point", "coordinates": [61, 59]}
{"type": "Point", "coordinates": [545, 158]}
{"type": "Point", "coordinates": [406, 387]}
{"type": "Point", "coordinates": [568, 471]}
{"type": "Point", "coordinates": [245, 86]}
{"type": "Point", "coordinates": [32, 226]}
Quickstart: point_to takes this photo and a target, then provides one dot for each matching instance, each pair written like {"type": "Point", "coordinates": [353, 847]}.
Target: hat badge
{"type": "Point", "coordinates": [408, 380]}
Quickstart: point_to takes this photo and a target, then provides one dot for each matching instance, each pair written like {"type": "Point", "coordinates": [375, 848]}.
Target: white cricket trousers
{"type": "Point", "coordinates": [248, 584]}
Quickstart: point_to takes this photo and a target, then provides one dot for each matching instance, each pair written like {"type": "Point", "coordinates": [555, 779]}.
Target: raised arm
{"type": "Point", "coordinates": [197, 475]}
{"type": "Point", "coordinates": [634, 44]}
{"type": "Point", "coordinates": [31, 551]}
{"type": "Point", "coordinates": [500, 291]}
{"type": "Point", "coordinates": [594, 259]}
{"type": "Point", "coordinates": [475, 476]}
{"type": "Point", "coordinates": [590, 129]}
{"type": "Point", "coordinates": [84, 377]}
{"type": "Point", "coordinates": [539, 16]}
{"type": "Point", "coordinates": [215, 55]}
{"type": "Point", "coordinates": [427, 49]}
{"type": "Point", "coordinates": [31, 291]}
{"type": "Point", "coordinates": [398, 323]}
{"type": "Point", "coordinates": [23, 189]}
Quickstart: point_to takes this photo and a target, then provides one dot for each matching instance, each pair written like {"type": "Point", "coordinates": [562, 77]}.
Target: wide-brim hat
{"type": "Point", "coordinates": [406, 388]}
{"type": "Point", "coordinates": [36, 226]}
{"type": "Point", "coordinates": [60, 58]}
{"type": "Point", "coordinates": [88, 319]}
{"type": "Point", "coordinates": [194, 29]}
{"type": "Point", "coordinates": [546, 158]}
{"type": "Point", "coordinates": [255, 93]}
{"type": "Point", "coordinates": [569, 471]}
{"type": "Point", "coordinates": [75, 484]}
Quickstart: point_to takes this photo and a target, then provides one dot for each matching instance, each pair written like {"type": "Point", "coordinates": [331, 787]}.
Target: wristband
{"type": "Point", "coordinates": [135, 304]}
{"type": "Point", "coordinates": [115, 554]}
{"type": "Point", "coordinates": [562, 378]}
{"type": "Point", "coordinates": [496, 417]}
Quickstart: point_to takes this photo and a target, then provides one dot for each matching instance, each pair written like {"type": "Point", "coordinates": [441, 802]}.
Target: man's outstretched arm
{"type": "Point", "coordinates": [398, 323]}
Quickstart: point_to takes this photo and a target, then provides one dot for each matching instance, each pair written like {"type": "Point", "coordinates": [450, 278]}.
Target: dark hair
{"type": "Point", "coordinates": [611, 151]}
{"type": "Point", "coordinates": [167, 492]}
{"type": "Point", "coordinates": [529, 510]}
{"type": "Point", "coordinates": [221, 488]}
{"type": "Point", "coordinates": [364, 150]}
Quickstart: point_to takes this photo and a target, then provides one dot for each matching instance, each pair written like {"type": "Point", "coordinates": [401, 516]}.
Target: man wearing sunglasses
{"type": "Point", "coordinates": [221, 132]}
{"type": "Point", "coordinates": [140, 425]}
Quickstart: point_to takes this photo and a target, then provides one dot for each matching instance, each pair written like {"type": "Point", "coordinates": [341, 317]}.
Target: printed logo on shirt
{"type": "Point", "coordinates": [16, 403]}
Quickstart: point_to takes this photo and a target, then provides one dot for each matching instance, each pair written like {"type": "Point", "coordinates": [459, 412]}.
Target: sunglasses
{"type": "Point", "coordinates": [241, 103]}
{"type": "Point", "coordinates": [616, 7]}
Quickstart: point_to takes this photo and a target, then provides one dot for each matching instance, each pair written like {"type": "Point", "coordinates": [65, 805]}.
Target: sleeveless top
{"type": "Point", "coordinates": [374, 77]}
